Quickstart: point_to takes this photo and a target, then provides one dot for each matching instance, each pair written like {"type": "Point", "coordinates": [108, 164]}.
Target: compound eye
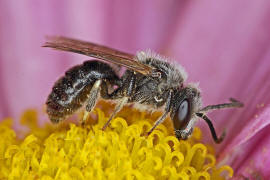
{"type": "Point", "coordinates": [183, 111]}
{"type": "Point", "coordinates": [181, 118]}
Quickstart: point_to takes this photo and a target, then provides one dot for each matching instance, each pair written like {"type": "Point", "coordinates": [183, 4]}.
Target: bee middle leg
{"type": "Point", "coordinates": [123, 93]}
{"type": "Point", "coordinates": [118, 107]}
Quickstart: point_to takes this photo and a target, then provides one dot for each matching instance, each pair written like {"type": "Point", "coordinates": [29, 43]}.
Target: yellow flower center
{"type": "Point", "coordinates": [120, 152]}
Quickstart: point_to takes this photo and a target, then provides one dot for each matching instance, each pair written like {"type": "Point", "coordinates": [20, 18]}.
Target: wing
{"type": "Point", "coordinates": [98, 51]}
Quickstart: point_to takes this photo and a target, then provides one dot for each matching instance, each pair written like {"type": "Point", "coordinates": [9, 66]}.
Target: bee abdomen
{"type": "Point", "coordinates": [71, 91]}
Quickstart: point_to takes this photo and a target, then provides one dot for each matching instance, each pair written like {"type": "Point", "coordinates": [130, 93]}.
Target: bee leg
{"type": "Point", "coordinates": [118, 107]}
{"type": "Point", "coordinates": [85, 117]}
{"type": "Point", "coordinates": [125, 91]}
{"type": "Point", "coordinates": [116, 94]}
{"type": "Point", "coordinates": [92, 99]}
{"type": "Point", "coordinates": [163, 117]}
{"type": "Point", "coordinates": [159, 121]}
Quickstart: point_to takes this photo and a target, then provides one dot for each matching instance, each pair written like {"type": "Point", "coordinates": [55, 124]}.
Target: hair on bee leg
{"type": "Point", "coordinates": [85, 117]}
{"type": "Point", "coordinates": [93, 96]}
{"type": "Point", "coordinates": [91, 101]}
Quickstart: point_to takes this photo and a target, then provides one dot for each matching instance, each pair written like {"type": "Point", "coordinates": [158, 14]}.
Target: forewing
{"type": "Point", "coordinates": [98, 51]}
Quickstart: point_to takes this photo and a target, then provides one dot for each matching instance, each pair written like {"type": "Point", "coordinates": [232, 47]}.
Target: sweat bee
{"type": "Point", "coordinates": [149, 82]}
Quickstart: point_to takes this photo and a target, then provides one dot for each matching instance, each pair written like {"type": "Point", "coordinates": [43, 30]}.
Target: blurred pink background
{"type": "Point", "coordinates": [224, 45]}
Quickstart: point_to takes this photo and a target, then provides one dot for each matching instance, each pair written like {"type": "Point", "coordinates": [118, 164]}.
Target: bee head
{"type": "Point", "coordinates": [186, 102]}
{"type": "Point", "coordinates": [186, 109]}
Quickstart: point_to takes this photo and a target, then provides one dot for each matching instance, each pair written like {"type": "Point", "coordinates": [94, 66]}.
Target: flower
{"type": "Point", "coordinates": [121, 151]}
{"type": "Point", "coordinates": [223, 44]}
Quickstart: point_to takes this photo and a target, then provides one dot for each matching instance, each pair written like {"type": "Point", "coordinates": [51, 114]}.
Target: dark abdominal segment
{"type": "Point", "coordinates": [71, 91]}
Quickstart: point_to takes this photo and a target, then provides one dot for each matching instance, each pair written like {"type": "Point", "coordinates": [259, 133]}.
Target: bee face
{"type": "Point", "coordinates": [187, 103]}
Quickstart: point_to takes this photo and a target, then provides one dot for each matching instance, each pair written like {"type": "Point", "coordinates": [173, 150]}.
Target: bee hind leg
{"type": "Point", "coordinates": [92, 100]}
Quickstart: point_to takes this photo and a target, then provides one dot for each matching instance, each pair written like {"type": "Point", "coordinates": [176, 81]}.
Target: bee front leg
{"type": "Point", "coordinates": [165, 114]}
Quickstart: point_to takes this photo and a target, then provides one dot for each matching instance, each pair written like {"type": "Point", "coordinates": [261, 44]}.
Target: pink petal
{"type": "Point", "coordinates": [29, 71]}
{"type": "Point", "coordinates": [251, 159]}
{"type": "Point", "coordinates": [230, 55]}
{"type": "Point", "coordinates": [222, 44]}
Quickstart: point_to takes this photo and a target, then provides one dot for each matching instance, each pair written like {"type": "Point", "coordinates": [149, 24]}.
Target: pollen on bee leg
{"type": "Point", "coordinates": [85, 117]}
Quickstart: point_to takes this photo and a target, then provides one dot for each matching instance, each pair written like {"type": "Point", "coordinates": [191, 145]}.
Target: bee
{"type": "Point", "coordinates": [149, 82]}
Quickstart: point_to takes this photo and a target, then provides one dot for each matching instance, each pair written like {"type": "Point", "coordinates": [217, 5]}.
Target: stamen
{"type": "Point", "coordinates": [120, 152]}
